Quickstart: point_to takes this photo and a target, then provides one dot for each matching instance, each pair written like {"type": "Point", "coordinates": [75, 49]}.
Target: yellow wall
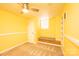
{"type": "Point", "coordinates": [55, 26]}
{"type": "Point", "coordinates": [71, 29]}
{"type": "Point", "coordinates": [54, 30]}
{"type": "Point", "coordinates": [12, 23]}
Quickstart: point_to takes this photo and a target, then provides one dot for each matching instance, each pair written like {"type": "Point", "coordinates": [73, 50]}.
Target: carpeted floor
{"type": "Point", "coordinates": [39, 49]}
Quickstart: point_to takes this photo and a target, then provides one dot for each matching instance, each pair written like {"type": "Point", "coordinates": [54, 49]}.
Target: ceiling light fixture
{"type": "Point", "coordinates": [25, 8]}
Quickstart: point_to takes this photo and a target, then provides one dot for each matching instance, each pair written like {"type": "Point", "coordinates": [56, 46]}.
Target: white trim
{"type": "Point", "coordinates": [62, 37]}
{"type": "Point", "coordinates": [50, 44]}
{"type": "Point", "coordinates": [8, 49]}
{"type": "Point", "coordinates": [12, 33]}
{"type": "Point", "coordinates": [15, 45]}
{"type": "Point", "coordinates": [73, 40]}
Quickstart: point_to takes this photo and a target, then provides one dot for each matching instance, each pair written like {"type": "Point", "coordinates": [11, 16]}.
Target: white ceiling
{"type": "Point", "coordinates": [53, 9]}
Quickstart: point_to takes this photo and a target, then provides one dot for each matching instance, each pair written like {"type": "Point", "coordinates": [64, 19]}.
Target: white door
{"type": "Point", "coordinates": [31, 33]}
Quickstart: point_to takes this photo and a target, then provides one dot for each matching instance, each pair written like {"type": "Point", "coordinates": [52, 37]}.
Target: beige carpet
{"type": "Point", "coordinates": [39, 49]}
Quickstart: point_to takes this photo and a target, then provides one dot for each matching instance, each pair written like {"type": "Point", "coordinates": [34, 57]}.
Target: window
{"type": "Point", "coordinates": [44, 21]}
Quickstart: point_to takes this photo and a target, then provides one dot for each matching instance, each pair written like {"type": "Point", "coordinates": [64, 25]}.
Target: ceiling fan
{"type": "Point", "coordinates": [26, 6]}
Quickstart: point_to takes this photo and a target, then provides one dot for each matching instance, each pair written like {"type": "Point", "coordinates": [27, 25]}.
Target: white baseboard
{"type": "Point", "coordinates": [50, 44]}
{"type": "Point", "coordinates": [12, 46]}
{"type": "Point", "coordinates": [72, 39]}
{"type": "Point", "coordinates": [8, 49]}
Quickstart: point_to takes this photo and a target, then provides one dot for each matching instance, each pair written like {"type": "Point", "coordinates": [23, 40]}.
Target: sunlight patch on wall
{"type": "Point", "coordinates": [44, 21]}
